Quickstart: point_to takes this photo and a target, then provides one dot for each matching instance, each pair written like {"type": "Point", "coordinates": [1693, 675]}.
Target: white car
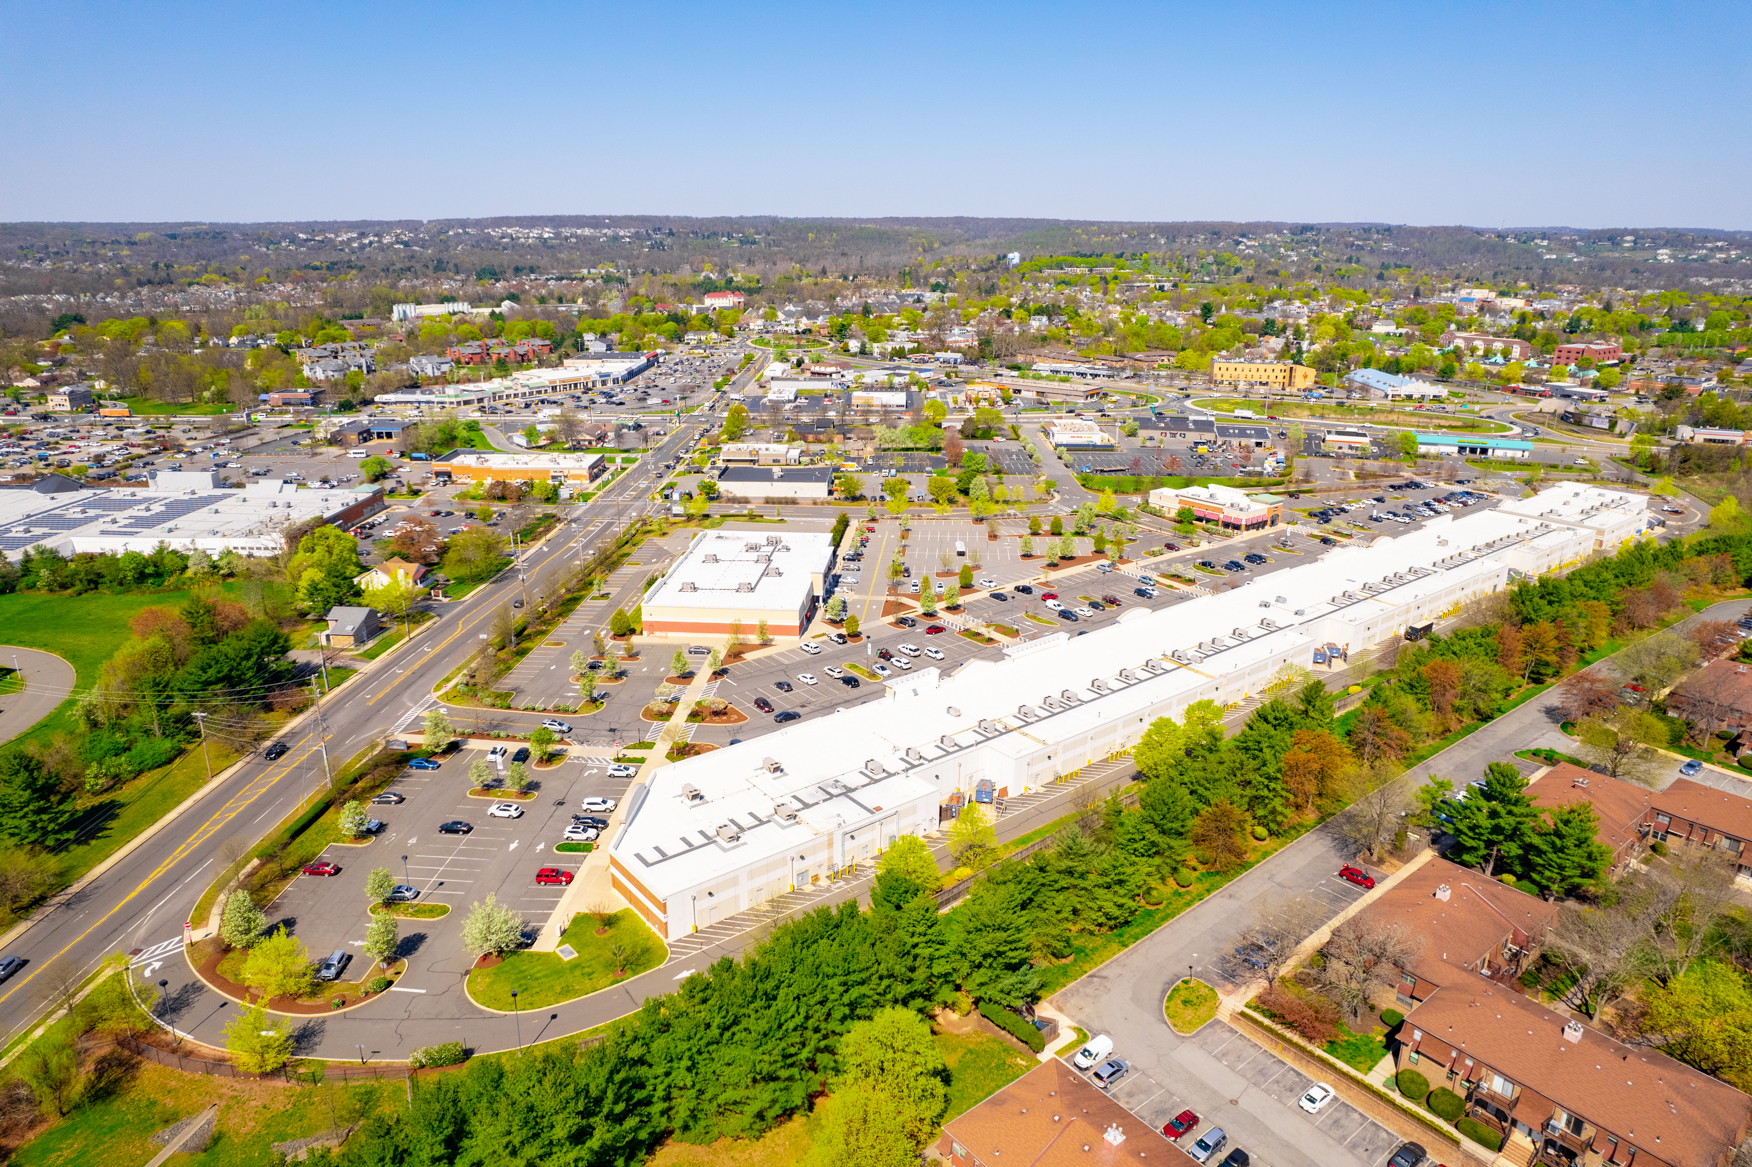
{"type": "Point", "coordinates": [811, 649]}
{"type": "Point", "coordinates": [595, 802]}
{"type": "Point", "coordinates": [578, 833]}
{"type": "Point", "coordinates": [909, 649]}
{"type": "Point", "coordinates": [1581, 461]}
{"type": "Point", "coordinates": [988, 583]}
{"type": "Point", "coordinates": [834, 671]}
{"type": "Point", "coordinates": [505, 810]}
{"type": "Point", "coordinates": [621, 770]}
{"type": "Point", "coordinates": [556, 726]}
{"type": "Point", "coordinates": [900, 662]}
{"type": "Point", "coordinates": [1054, 605]}
{"type": "Point", "coordinates": [934, 653]}
{"type": "Point", "coordinates": [851, 579]}
{"type": "Point", "coordinates": [808, 678]}
{"type": "Point", "coordinates": [917, 587]}
{"type": "Point", "coordinates": [1318, 1097]}
{"type": "Point", "coordinates": [881, 669]}
{"type": "Point", "coordinates": [1084, 612]}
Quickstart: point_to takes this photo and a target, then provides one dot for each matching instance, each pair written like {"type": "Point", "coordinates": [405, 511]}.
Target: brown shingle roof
{"type": "Point", "coordinates": [1618, 805]}
{"type": "Point", "coordinates": [1675, 1113]}
{"type": "Point", "coordinates": [1469, 926]}
{"type": "Point", "coordinates": [1716, 809]}
{"type": "Point", "coordinates": [1052, 1117]}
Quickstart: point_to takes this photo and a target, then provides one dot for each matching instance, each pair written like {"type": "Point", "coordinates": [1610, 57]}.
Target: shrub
{"type": "Point", "coordinates": [1658, 847]}
{"type": "Point", "coordinates": [1445, 1103]}
{"type": "Point", "coordinates": [1479, 1133]}
{"type": "Point", "coordinates": [1505, 877]}
{"type": "Point", "coordinates": [1017, 1027]}
{"type": "Point", "coordinates": [1413, 1085]}
{"type": "Point", "coordinates": [1391, 1017]}
{"type": "Point", "coordinates": [1260, 834]}
{"type": "Point", "coordinates": [448, 1053]}
{"type": "Point", "coordinates": [1746, 760]}
{"type": "Point", "coordinates": [1183, 878]}
{"type": "Point", "coordinates": [377, 985]}
{"type": "Point", "coordinates": [1316, 1019]}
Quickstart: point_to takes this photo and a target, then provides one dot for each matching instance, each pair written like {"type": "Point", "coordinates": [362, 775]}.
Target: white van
{"type": "Point", "coordinates": [1099, 1048]}
{"type": "Point", "coordinates": [358, 453]}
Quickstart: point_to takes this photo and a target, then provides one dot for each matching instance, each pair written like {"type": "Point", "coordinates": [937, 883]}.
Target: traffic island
{"type": "Point", "coordinates": [412, 911]}
{"type": "Point", "coordinates": [1189, 1005]}
{"type": "Point", "coordinates": [218, 967]}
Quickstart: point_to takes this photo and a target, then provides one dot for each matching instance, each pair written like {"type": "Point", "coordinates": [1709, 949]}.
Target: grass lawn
{"type": "Point", "coordinates": [115, 1126]}
{"type": "Point", "coordinates": [543, 979]}
{"type": "Point", "coordinates": [145, 407]}
{"type": "Point", "coordinates": [978, 1066]}
{"type": "Point", "coordinates": [1361, 1052]}
{"type": "Point", "coordinates": [1190, 1005]}
{"type": "Point", "coordinates": [783, 1146]}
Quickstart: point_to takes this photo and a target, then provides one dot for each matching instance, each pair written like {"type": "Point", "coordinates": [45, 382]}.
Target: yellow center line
{"type": "Point", "coordinates": [232, 808]}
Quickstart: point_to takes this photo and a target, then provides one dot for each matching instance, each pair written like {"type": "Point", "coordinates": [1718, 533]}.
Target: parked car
{"type": "Point", "coordinates": [906, 621]}
{"type": "Point", "coordinates": [556, 725]}
{"type": "Point", "coordinates": [505, 810]}
{"type": "Point", "coordinates": [455, 827]}
{"type": "Point", "coordinates": [589, 820]}
{"type": "Point", "coordinates": [1099, 1047]}
{"type": "Point", "coordinates": [335, 965]}
{"type": "Point", "coordinates": [520, 754]}
{"type": "Point", "coordinates": [1000, 597]}
{"type": "Point", "coordinates": [1357, 876]}
{"type": "Point", "coordinates": [934, 653]}
{"type": "Point", "coordinates": [578, 833]}
{"type": "Point", "coordinates": [322, 868]}
{"type": "Point", "coordinates": [402, 893]}
{"type": "Point", "coordinates": [1208, 1144]}
{"type": "Point", "coordinates": [909, 649]}
{"type": "Point", "coordinates": [811, 649]}
{"type": "Point", "coordinates": [1692, 767]}
{"type": "Point", "coordinates": [787, 715]}
{"type": "Point", "coordinates": [1319, 1096]}
{"type": "Point", "coordinates": [423, 764]}
{"type": "Point", "coordinates": [621, 770]}
{"type": "Point", "coordinates": [808, 678]}
{"type": "Point", "coordinates": [1180, 1124]}
{"type": "Point", "coordinates": [1067, 614]}
{"type": "Point", "coordinates": [387, 798]}
{"type": "Point", "coordinates": [935, 629]}
{"type": "Point", "coordinates": [783, 686]}
{"type": "Point", "coordinates": [1236, 1158]}
{"type": "Point", "coordinates": [1109, 1072]}
{"type": "Point", "coordinates": [762, 704]}
{"type": "Point", "coordinates": [553, 875]}
{"type": "Point", "coordinates": [1408, 1155]}
{"type": "Point", "coordinates": [598, 803]}
{"type": "Point", "coordinates": [1024, 589]}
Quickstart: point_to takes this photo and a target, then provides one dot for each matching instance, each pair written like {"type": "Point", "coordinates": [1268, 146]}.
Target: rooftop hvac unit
{"type": "Point", "coordinates": [1265, 603]}
{"type": "Point", "coordinates": [1027, 713]}
{"type": "Point", "coordinates": [773, 540]}
{"type": "Point", "coordinates": [1099, 685]}
{"type": "Point", "coordinates": [913, 755]}
{"type": "Point", "coordinates": [745, 587]}
{"type": "Point", "coordinates": [954, 712]}
{"type": "Point", "coordinates": [946, 742]}
{"type": "Point", "coordinates": [1069, 698]}
{"type": "Point", "coordinates": [875, 769]}
{"type": "Point", "coordinates": [689, 586]}
{"type": "Point", "coordinates": [988, 726]}
{"type": "Point", "coordinates": [729, 833]}
{"type": "Point", "coordinates": [692, 794]}
{"type": "Point", "coordinates": [1127, 676]}
{"type": "Point", "coordinates": [708, 558]}
{"type": "Point", "coordinates": [784, 812]}
{"type": "Point", "coordinates": [1282, 600]}
{"type": "Point", "coordinates": [771, 766]}
{"type": "Point", "coordinates": [1051, 703]}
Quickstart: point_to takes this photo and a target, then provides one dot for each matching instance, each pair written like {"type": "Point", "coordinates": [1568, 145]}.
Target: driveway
{"type": "Point", "coordinates": [47, 679]}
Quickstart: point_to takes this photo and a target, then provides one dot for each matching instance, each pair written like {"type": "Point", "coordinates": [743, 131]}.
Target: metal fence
{"type": "Point", "coordinates": [330, 1072]}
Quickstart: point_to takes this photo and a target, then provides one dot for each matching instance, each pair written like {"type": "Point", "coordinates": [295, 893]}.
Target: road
{"type": "Point", "coordinates": [47, 680]}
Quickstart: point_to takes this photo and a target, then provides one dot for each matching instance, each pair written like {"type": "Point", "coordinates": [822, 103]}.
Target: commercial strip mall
{"type": "Point", "coordinates": [716, 834]}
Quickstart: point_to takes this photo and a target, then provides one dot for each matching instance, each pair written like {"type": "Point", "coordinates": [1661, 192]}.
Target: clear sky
{"type": "Point", "coordinates": [1485, 113]}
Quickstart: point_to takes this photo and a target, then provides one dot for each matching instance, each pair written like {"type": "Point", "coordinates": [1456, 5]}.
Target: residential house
{"type": "Point", "coordinates": [351, 627]}
{"type": "Point", "coordinates": [1621, 809]}
{"type": "Point", "coordinates": [1472, 926]}
{"type": "Point", "coordinates": [1053, 1117]}
{"type": "Point", "coordinates": [379, 576]}
{"type": "Point", "coordinates": [1566, 1095]}
{"type": "Point", "coordinates": [430, 365]}
{"type": "Point", "coordinates": [1716, 697]}
{"type": "Point", "coordinates": [1480, 343]}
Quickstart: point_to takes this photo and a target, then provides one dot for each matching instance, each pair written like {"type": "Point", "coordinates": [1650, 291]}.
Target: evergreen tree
{"type": "Point", "coordinates": [33, 811]}
{"type": "Point", "coordinates": [1567, 854]}
{"type": "Point", "coordinates": [1494, 825]}
{"type": "Point", "coordinates": [990, 950]}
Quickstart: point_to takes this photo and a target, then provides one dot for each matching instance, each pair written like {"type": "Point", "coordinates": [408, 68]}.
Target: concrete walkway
{"type": "Point", "coordinates": [47, 680]}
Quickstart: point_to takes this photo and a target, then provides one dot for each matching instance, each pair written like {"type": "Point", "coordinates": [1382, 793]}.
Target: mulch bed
{"type": "Point", "coordinates": [897, 608]}
{"type": "Point", "coordinates": [730, 716]}
{"type": "Point", "coordinates": [208, 970]}
{"type": "Point", "coordinates": [646, 714]}
{"type": "Point", "coordinates": [688, 750]}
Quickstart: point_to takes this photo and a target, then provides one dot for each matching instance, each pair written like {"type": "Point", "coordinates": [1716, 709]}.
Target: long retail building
{"type": "Point", "coordinates": [719, 833]}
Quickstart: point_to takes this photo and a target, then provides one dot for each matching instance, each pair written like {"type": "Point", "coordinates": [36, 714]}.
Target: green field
{"type": "Point", "coordinates": [1335, 411]}
{"type": "Point", "coordinates": [543, 979]}
{"type": "Point", "coordinates": [145, 407]}
{"type": "Point", "coordinates": [979, 1066]}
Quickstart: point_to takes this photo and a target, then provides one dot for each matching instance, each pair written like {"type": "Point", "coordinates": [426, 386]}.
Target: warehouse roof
{"type": "Point", "coordinates": [744, 569]}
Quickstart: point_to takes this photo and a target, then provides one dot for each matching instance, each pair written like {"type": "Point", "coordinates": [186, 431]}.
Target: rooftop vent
{"type": "Point", "coordinates": [1282, 600]}
{"type": "Point", "coordinates": [708, 558]}
{"type": "Point", "coordinates": [1443, 893]}
{"type": "Point", "coordinates": [1572, 1031]}
{"type": "Point", "coordinates": [954, 712]}
{"type": "Point", "coordinates": [692, 794]}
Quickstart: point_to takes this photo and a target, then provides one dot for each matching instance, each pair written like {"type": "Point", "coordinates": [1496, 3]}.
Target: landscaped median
{"type": "Point", "coordinates": [623, 946]}
{"type": "Point", "coordinates": [1189, 1005]}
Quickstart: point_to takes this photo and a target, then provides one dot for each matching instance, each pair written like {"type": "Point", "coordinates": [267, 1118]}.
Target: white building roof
{"type": "Point", "coordinates": [744, 569]}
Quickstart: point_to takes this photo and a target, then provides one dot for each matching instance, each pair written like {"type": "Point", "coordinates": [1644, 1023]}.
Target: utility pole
{"type": "Point", "coordinates": [201, 720]}
{"type": "Point", "coordinates": [322, 733]}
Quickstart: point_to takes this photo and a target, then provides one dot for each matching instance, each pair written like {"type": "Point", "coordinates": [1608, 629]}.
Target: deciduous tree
{"type": "Point", "coordinates": [278, 965]}
{"type": "Point", "coordinates": [492, 927]}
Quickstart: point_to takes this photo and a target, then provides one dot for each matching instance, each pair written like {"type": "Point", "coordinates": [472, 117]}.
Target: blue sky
{"type": "Point", "coordinates": [1490, 114]}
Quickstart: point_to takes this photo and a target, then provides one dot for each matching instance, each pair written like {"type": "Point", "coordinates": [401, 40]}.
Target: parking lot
{"type": "Point", "coordinates": [1231, 1082]}
{"type": "Point", "coordinates": [500, 856]}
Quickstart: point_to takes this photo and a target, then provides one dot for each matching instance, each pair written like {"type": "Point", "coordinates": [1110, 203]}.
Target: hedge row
{"type": "Point", "coordinates": [447, 1053]}
{"type": "Point", "coordinates": [1479, 1133]}
{"type": "Point", "coordinates": [1017, 1027]}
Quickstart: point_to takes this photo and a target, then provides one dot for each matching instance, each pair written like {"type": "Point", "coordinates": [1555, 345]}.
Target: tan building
{"type": "Point", "coordinates": [1271, 374]}
{"type": "Point", "coordinates": [493, 466]}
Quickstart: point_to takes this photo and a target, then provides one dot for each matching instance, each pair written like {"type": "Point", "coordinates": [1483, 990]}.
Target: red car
{"type": "Point", "coordinates": [553, 875]}
{"type": "Point", "coordinates": [1049, 595]}
{"type": "Point", "coordinates": [934, 629]}
{"type": "Point", "coordinates": [323, 868]}
{"type": "Point", "coordinates": [1357, 876]}
{"type": "Point", "coordinates": [1181, 1123]}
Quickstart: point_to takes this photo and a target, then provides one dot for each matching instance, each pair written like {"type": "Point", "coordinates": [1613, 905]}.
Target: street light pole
{"type": "Point", "coordinates": [201, 720]}
{"type": "Point", "coordinates": [519, 1018]}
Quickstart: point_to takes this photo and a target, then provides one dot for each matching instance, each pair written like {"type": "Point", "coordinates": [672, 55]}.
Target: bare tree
{"type": "Point", "coordinates": [1612, 947]}
{"type": "Point", "coordinates": [1372, 821]}
{"type": "Point", "coordinates": [1263, 949]}
{"type": "Point", "coordinates": [1658, 661]}
{"type": "Point", "coordinates": [1364, 958]}
{"type": "Point", "coordinates": [1704, 880]}
{"type": "Point", "coordinates": [1620, 745]}
{"type": "Point", "coordinates": [1589, 694]}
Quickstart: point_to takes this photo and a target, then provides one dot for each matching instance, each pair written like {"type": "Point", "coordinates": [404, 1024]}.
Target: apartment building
{"type": "Point", "coordinates": [1270, 374]}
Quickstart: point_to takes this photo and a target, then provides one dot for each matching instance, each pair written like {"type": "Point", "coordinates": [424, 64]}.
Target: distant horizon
{"type": "Point", "coordinates": [1338, 112]}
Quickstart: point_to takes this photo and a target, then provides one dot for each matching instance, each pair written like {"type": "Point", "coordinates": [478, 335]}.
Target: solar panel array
{"type": "Point", "coordinates": [174, 509]}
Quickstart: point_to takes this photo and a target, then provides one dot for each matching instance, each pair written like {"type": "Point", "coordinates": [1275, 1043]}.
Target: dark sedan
{"type": "Point", "coordinates": [455, 827]}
